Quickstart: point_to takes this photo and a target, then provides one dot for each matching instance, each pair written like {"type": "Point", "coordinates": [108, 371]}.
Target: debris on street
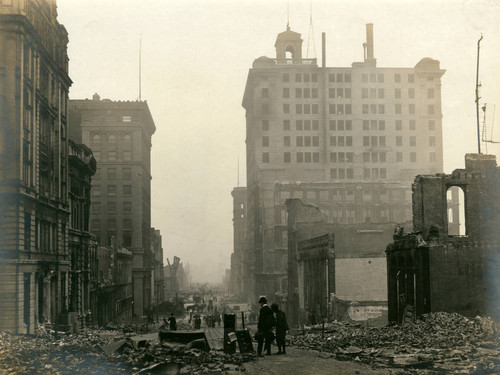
{"type": "Point", "coordinates": [108, 352]}
{"type": "Point", "coordinates": [446, 342]}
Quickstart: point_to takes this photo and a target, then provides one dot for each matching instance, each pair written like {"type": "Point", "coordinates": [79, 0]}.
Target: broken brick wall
{"type": "Point", "coordinates": [456, 272]}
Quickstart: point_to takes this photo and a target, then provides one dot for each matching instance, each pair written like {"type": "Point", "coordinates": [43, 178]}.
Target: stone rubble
{"type": "Point", "coordinates": [56, 353]}
{"type": "Point", "coordinates": [446, 342]}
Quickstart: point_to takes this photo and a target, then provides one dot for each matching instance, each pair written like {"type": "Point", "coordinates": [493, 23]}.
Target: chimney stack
{"type": "Point", "coordinates": [369, 41]}
{"type": "Point", "coordinates": [323, 49]}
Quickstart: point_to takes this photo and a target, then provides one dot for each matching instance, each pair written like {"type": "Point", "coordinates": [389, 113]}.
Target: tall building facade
{"type": "Point", "coordinates": [34, 206]}
{"type": "Point", "coordinates": [363, 131]}
{"type": "Point", "coordinates": [81, 243]}
{"type": "Point", "coordinates": [119, 133]}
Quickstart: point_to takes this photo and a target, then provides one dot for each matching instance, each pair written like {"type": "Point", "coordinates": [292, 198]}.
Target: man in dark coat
{"type": "Point", "coordinates": [281, 328]}
{"type": "Point", "coordinates": [265, 327]}
{"type": "Point", "coordinates": [173, 322]}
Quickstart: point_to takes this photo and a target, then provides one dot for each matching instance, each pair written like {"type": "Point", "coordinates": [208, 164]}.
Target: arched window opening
{"type": "Point", "coordinates": [455, 209]}
{"type": "Point", "coordinates": [289, 52]}
{"type": "Point", "coordinates": [96, 138]}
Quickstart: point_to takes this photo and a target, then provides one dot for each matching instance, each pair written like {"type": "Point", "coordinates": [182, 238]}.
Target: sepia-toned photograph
{"type": "Point", "coordinates": [281, 187]}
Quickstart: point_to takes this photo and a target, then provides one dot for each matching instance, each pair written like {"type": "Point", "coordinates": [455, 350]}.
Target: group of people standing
{"type": "Point", "coordinates": [269, 318]}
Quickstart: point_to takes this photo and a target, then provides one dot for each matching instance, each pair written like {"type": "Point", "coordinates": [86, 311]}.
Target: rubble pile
{"type": "Point", "coordinates": [62, 354]}
{"type": "Point", "coordinates": [190, 361]}
{"type": "Point", "coordinates": [107, 352]}
{"type": "Point", "coordinates": [442, 341]}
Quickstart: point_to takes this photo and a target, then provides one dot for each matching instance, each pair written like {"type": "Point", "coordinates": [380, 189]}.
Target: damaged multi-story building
{"type": "Point", "coordinates": [81, 243]}
{"type": "Point", "coordinates": [434, 268]}
{"type": "Point", "coordinates": [158, 273]}
{"type": "Point", "coordinates": [111, 292]}
{"type": "Point", "coordinates": [349, 138]}
{"type": "Point", "coordinates": [34, 204]}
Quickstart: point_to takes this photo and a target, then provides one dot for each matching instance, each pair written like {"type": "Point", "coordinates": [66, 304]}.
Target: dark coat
{"type": "Point", "coordinates": [281, 323]}
{"type": "Point", "coordinates": [266, 319]}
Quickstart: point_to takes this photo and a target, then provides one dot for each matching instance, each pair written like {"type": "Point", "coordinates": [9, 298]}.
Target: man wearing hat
{"type": "Point", "coordinates": [265, 327]}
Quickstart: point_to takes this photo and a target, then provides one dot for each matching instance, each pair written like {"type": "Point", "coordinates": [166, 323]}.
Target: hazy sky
{"type": "Point", "coordinates": [195, 60]}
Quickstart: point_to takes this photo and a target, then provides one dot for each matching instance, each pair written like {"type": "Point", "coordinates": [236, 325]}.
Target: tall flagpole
{"type": "Point", "coordinates": [140, 70]}
{"type": "Point", "coordinates": [477, 97]}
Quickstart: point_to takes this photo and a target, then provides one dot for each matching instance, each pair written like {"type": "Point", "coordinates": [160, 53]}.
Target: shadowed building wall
{"type": "Point", "coordinates": [34, 205]}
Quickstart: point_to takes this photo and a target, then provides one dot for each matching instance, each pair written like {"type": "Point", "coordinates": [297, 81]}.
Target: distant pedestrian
{"type": "Point", "coordinates": [265, 327]}
{"type": "Point", "coordinates": [197, 322]}
{"type": "Point", "coordinates": [281, 328]}
{"type": "Point", "coordinates": [172, 322]}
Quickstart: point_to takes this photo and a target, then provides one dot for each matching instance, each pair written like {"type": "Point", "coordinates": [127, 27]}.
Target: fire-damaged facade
{"type": "Point", "coordinates": [81, 243]}
{"type": "Point", "coordinates": [431, 270]}
{"type": "Point", "coordinates": [316, 273]}
{"type": "Point", "coordinates": [355, 283]}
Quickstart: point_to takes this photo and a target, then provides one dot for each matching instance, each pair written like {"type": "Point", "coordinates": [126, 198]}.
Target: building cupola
{"type": "Point", "coordinates": [288, 41]}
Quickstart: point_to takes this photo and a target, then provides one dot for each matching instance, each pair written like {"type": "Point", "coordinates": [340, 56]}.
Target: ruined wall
{"type": "Point", "coordinates": [457, 282]}
{"type": "Point", "coordinates": [480, 184]}
{"type": "Point", "coordinates": [360, 270]}
{"type": "Point", "coordinates": [450, 273]}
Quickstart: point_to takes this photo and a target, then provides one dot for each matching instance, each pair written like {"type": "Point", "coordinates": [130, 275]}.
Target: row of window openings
{"type": "Point", "coordinates": [307, 141]}
{"type": "Point", "coordinates": [348, 195]}
{"type": "Point", "coordinates": [413, 157]}
{"type": "Point", "coordinates": [346, 77]}
{"type": "Point", "coordinates": [46, 235]}
{"type": "Point", "coordinates": [379, 109]}
{"type": "Point", "coordinates": [347, 157]}
{"type": "Point", "coordinates": [313, 157]}
{"type": "Point", "coordinates": [311, 93]}
{"type": "Point", "coordinates": [341, 125]}
{"type": "Point", "coordinates": [340, 109]}
{"type": "Point", "coordinates": [346, 141]}
{"type": "Point", "coordinates": [96, 138]}
{"type": "Point", "coordinates": [113, 156]}
{"type": "Point", "coordinates": [379, 93]}
{"type": "Point", "coordinates": [380, 78]}
{"type": "Point", "coordinates": [126, 237]}
{"type": "Point", "coordinates": [380, 125]}
{"type": "Point", "coordinates": [111, 173]}
{"type": "Point", "coordinates": [340, 92]}
{"type": "Point", "coordinates": [313, 77]}
{"type": "Point", "coordinates": [368, 173]}
{"type": "Point", "coordinates": [111, 190]}
{"type": "Point", "coordinates": [111, 207]}
{"type": "Point", "coordinates": [375, 141]}
{"type": "Point", "coordinates": [111, 224]}
{"type": "Point", "coordinates": [307, 109]}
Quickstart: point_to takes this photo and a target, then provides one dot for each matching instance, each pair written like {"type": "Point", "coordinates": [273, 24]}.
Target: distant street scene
{"type": "Point", "coordinates": [194, 187]}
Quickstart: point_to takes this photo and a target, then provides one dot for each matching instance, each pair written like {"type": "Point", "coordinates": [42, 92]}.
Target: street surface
{"type": "Point", "coordinates": [305, 362]}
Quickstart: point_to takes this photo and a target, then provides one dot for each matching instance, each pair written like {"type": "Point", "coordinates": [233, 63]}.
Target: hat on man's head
{"type": "Point", "coordinates": [262, 299]}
